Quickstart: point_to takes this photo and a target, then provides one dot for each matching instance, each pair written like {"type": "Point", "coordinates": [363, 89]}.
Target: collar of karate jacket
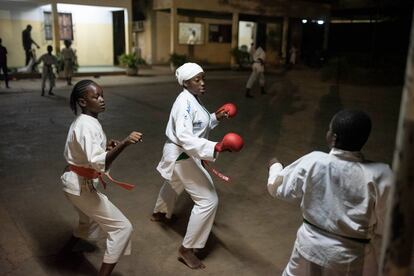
{"type": "Point", "coordinates": [354, 156]}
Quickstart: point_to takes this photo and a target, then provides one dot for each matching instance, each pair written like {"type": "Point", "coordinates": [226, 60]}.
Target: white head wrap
{"type": "Point", "coordinates": [187, 71]}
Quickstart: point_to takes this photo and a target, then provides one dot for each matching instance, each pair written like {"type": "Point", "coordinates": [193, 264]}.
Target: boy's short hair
{"type": "Point", "coordinates": [49, 48]}
{"type": "Point", "coordinates": [352, 129]}
{"type": "Point", "coordinates": [67, 42]}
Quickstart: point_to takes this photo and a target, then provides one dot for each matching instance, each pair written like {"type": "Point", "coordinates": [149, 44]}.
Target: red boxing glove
{"type": "Point", "coordinates": [231, 142]}
{"type": "Point", "coordinates": [230, 109]}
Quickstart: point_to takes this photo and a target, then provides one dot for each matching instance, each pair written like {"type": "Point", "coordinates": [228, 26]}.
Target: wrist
{"type": "Point", "coordinates": [218, 147]}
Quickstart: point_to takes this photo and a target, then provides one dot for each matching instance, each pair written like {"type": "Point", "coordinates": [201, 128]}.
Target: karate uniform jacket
{"type": "Point", "coordinates": [187, 131]}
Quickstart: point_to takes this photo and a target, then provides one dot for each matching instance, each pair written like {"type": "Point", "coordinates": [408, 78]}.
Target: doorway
{"type": "Point", "coordinates": [118, 19]}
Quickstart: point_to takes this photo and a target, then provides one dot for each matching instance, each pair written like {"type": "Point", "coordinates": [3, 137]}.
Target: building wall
{"type": "Point", "coordinates": [218, 53]}
{"type": "Point", "coordinates": [162, 33]}
{"type": "Point", "coordinates": [92, 34]}
{"type": "Point", "coordinates": [13, 20]}
{"type": "Point", "coordinates": [213, 52]}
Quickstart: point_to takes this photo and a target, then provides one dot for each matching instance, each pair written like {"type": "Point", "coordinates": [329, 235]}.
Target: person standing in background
{"type": "Point", "coordinates": [69, 58]}
{"type": "Point", "coordinates": [47, 73]}
{"type": "Point", "coordinates": [27, 43]}
{"type": "Point", "coordinates": [3, 63]}
{"type": "Point", "coordinates": [259, 57]}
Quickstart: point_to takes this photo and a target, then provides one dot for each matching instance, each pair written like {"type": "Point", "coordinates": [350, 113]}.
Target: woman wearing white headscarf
{"type": "Point", "coordinates": [187, 144]}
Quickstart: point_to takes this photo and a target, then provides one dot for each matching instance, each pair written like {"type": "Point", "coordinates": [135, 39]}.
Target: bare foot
{"type": "Point", "coordinates": [186, 255]}
{"type": "Point", "coordinates": [160, 217]}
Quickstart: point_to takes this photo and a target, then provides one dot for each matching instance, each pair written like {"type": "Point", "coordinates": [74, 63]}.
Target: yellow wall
{"type": "Point", "coordinates": [11, 34]}
{"type": "Point", "coordinates": [162, 40]}
{"type": "Point", "coordinates": [93, 44]}
{"type": "Point", "coordinates": [93, 36]}
{"type": "Point", "coordinates": [217, 53]}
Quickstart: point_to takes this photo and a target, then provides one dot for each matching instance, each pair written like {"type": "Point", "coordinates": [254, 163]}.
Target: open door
{"type": "Point", "coordinates": [118, 19]}
{"type": "Point", "coordinates": [261, 35]}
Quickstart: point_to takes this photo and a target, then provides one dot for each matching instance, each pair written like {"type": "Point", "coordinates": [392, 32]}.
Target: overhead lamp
{"type": "Point", "coordinates": [320, 22]}
{"type": "Point", "coordinates": [304, 21]}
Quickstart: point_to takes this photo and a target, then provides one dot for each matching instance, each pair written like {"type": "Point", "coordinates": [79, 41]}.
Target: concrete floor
{"type": "Point", "coordinates": [253, 233]}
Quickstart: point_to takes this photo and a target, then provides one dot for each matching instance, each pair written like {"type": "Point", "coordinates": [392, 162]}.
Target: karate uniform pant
{"type": "Point", "coordinates": [3, 67]}
{"type": "Point", "coordinates": [299, 266]}
{"type": "Point", "coordinates": [48, 74]}
{"type": "Point", "coordinates": [68, 68]}
{"type": "Point", "coordinates": [199, 185]}
{"type": "Point", "coordinates": [257, 72]}
{"type": "Point", "coordinates": [97, 216]}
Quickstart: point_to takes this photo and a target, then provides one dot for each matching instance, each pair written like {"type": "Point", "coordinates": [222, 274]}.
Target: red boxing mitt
{"type": "Point", "coordinates": [231, 142]}
{"type": "Point", "coordinates": [230, 109]}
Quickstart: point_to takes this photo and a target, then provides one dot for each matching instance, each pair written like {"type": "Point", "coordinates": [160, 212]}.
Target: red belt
{"type": "Point", "coordinates": [90, 174]}
{"type": "Point", "coordinates": [219, 174]}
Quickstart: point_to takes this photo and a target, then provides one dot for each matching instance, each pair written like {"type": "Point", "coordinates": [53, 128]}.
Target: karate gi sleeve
{"type": "Point", "coordinates": [90, 143]}
{"type": "Point", "coordinates": [287, 183]}
{"type": "Point", "coordinates": [213, 120]}
{"type": "Point", "coordinates": [385, 181]}
{"type": "Point", "coordinates": [198, 147]}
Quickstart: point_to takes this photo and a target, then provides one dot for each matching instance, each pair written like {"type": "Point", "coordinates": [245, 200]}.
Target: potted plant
{"type": "Point", "coordinates": [177, 60]}
{"type": "Point", "coordinates": [241, 57]}
{"type": "Point", "coordinates": [130, 61]}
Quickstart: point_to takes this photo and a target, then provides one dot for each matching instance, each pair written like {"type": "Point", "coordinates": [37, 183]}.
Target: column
{"type": "Point", "coordinates": [56, 28]}
{"type": "Point", "coordinates": [326, 32]}
{"type": "Point", "coordinates": [285, 38]}
{"type": "Point", "coordinates": [234, 37]}
{"type": "Point", "coordinates": [173, 29]}
{"type": "Point", "coordinates": [128, 28]}
{"type": "Point", "coordinates": [399, 233]}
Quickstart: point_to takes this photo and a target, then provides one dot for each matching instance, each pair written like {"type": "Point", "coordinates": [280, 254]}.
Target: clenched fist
{"type": "Point", "coordinates": [133, 138]}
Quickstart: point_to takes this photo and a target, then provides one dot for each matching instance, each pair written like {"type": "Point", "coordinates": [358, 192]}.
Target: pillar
{"type": "Point", "coordinates": [234, 36]}
{"type": "Point", "coordinates": [173, 29]}
{"type": "Point", "coordinates": [285, 38]}
{"type": "Point", "coordinates": [399, 233]}
{"type": "Point", "coordinates": [56, 28]}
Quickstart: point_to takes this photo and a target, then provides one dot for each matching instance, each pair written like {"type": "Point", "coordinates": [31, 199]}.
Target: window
{"type": "Point", "coordinates": [48, 26]}
{"type": "Point", "coordinates": [65, 26]}
{"type": "Point", "coordinates": [219, 33]}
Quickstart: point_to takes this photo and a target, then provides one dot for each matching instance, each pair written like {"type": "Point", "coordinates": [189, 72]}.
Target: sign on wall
{"type": "Point", "coordinates": [190, 33]}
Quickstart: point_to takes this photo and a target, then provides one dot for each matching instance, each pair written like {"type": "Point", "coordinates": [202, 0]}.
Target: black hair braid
{"type": "Point", "coordinates": [77, 92]}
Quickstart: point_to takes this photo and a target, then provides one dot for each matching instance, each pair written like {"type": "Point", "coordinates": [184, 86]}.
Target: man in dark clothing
{"type": "Point", "coordinates": [27, 42]}
{"type": "Point", "coordinates": [3, 63]}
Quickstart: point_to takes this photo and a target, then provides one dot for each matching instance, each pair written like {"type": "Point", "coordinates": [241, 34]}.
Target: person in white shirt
{"type": "Point", "coordinates": [192, 38]}
{"type": "Point", "coordinates": [181, 166]}
{"type": "Point", "coordinates": [342, 198]}
{"type": "Point", "coordinates": [47, 72]}
{"type": "Point", "coordinates": [88, 155]}
{"type": "Point", "coordinates": [259, 57]}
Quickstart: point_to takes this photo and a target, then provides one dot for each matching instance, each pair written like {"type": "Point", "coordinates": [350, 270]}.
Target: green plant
{"type": "Point", "coordinates": [177, 59]}
{"type": "Point", "coordinates": [141, 61]}
{"type": "Point", "coordinates": [242, 57]}
{"type": "Point", "coordinates": [129, 60]}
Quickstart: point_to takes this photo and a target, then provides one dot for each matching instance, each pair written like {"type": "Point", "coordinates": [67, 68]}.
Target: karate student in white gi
{"type": "Point", "coordinates": [69, 59]}
{"type": "Point", "coordinates": [343, 200]}
{"type": "Point", "coordinates": [187, 144]}
{"type": "Point", "coordinates": [88, 154]}
{"type": "Point", "coordinates": [259, 57]}
{"type": "Point", "coordinates": [49, 61]}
